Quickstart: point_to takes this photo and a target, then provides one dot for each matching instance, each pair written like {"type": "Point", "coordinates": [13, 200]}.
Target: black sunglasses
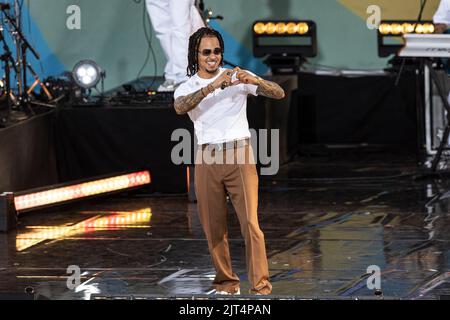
{"type": "Point", "coordinates": [207, 52]}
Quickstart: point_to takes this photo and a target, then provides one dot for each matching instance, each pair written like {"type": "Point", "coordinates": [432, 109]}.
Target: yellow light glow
{"type": "Point", "coordinates": [270, 28]}
{"type": "Point", "coordinates": [259, 28]}
{"type": "Point", "coordinates": [81, 190]}
{"type": "Point", "coordinates": [291, 28]}
{"type": "Point", "coordinates": [281, 27]}
{"type": "Point", "coordinates": [428, 28]}
{"type": "Point", "coordinates": [385, 28]}
{"type": "Point", "coordinates": [302, 28]}
{"type": "Point", "coordinates": [397, 28]}
{"type": "Point", "coordinates": [420, 28]}
{"type": "Point", "coordinates": [408, 28]}
{"type": "Point", "coordinates": [118, 220]}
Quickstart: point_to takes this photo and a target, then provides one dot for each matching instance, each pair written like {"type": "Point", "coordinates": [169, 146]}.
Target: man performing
{"type": "Point", "coordinates": [216, 102]}
{"type": "Point", "coordinates": [442, 16]}
{"type": "Point", "coordinates": [174, 21]}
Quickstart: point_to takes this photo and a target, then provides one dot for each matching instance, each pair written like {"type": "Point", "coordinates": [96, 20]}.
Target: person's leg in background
{"type": "Point", "coordinates": [212, 209]}
{"type": "Point", "coordinates": [159, 13]}
{"type": "Point", "coordinates": [196, 19]}
{"type": "Point", "coordinates": [180, 15]}
{"type": "Point", "coordinates": [174, 21]}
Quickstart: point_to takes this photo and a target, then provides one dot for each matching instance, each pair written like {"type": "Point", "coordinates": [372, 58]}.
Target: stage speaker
{"type": "Point", "coordinates": [8, 215]}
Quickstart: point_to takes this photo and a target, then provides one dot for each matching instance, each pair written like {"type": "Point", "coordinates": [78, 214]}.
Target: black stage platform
{"type": "Point", "coordinates": [325, 221]}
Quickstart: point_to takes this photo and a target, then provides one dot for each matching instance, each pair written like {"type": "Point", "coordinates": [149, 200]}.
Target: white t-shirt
{"type": "Point", "coordinates": [442, 14]}
{"type": "Point", "coordinates": [222, 115]}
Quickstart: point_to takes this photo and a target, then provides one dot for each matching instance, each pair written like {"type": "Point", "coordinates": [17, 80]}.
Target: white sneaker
{"type": "Point", "coordinates": [168, 86]}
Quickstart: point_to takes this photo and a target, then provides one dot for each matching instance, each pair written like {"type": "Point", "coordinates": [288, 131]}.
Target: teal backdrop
{"type": "Point", "coordinates": [112, 33]}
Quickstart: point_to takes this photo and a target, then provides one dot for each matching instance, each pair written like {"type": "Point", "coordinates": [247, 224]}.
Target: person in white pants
{"type": "Point", "coordinates": [442, 17]}
{"type": "Point", "coordinates": [174, 21]}
{"type": "Point", "coordinates": [441, 20]}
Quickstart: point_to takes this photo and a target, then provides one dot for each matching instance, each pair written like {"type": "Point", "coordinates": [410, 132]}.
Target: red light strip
{"type": "Point", "coordinates": [81, 190]}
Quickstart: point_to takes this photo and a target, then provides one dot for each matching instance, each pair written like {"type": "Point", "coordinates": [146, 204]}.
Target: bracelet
{"type": "Point", "coordinates": [204, 95]}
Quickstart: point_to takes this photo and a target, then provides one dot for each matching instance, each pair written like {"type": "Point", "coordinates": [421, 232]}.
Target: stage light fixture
{"type": "Point", "coordinates": [397, 28]}
{"type": "Point", "coordinates": [303, 28]}
{"type": "Point", "coordinates": [285, 42]}
{"type": "Point", "coordinates": [291, 28]}
{"type": "Point", "coordinates": [60, 194]}
{"type": "Point", "coordinates": [390, 34]}
{"type": "Point", "coordinates": [408, 27]}
{"type": "Point", "coordinates": [271, 28]}
{"type": "Point", "coordinates": [280, 28]}
{"type": "Point", "coordinates": [259, 28]}
{"type": "Point", "coordinates": [87, 74]}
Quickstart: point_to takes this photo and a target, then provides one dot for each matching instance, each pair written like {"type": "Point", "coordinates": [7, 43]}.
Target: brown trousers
{"type": "Point", "coordinates": [212, 183]}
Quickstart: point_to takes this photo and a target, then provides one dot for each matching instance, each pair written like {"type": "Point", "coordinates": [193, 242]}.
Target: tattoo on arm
{"type": "Point", "coordinates": [270, 89]}
{"type": "Point", "coordinates": [185, 104]}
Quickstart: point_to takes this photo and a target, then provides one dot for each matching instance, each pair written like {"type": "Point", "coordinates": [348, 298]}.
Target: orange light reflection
{"type": "Point", "coordinates": [116, 220]}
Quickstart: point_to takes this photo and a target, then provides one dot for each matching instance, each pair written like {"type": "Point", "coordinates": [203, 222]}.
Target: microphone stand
{"type": "Point", "coordinates": [424, 2]}
{"type": "Point", "coordinates": [418, 71]}
{"type": "Point", "coordinates": [7, 58]}
{"type": "Point", "coordinates": [23, 46]}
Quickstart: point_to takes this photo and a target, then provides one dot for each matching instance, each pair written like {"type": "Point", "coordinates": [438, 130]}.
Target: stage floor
{"type": "Point", "coordinates": [326, 220]}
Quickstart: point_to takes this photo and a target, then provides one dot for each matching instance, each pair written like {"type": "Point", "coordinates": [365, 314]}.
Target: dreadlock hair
{"type": "Point", "coordinates": [194, 44]}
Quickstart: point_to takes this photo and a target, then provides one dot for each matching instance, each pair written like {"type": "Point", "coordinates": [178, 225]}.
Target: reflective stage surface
{"type": "Point", "coordinates": [326, 220]}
